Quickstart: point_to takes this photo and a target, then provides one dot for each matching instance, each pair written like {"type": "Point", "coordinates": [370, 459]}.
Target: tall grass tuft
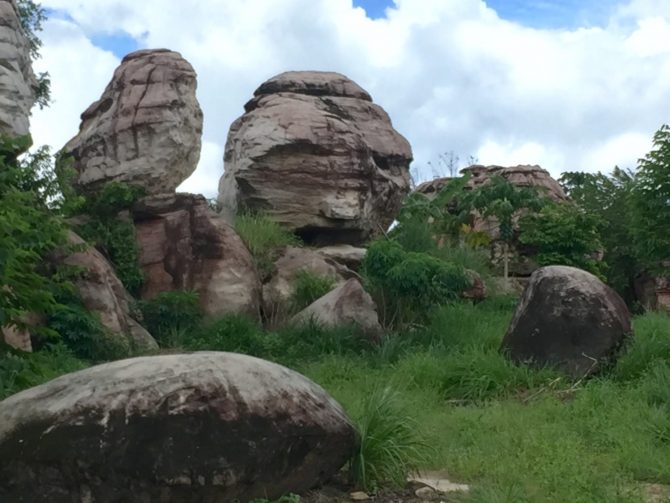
{"type": "Point", "coordinates": [265, 239]}
{"type": "Point", "coordinates": [390, 447]}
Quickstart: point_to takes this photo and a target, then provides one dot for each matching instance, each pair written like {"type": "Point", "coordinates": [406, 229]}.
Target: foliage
{"type": "Point", "coordinates": [31, 16]}
{"type": "Point", "coordinates": [265, 239]}
{"type": "Point", "coordinates": [502, 200]}
{"type": "Point", "coordinates": [235, 333]}
{"type": "Point", "coordinates": [308, 287]}
{"type": "Point", "coordinates": [606, 198]}
{"type": "Point", "coordinates": [111, 232]}
{"type": "Point", "coordinates": [19, 371]}
{"type": "Point", "coordinates": [422, 219]}
{"type": "Point", "coordinates": [650, 205]}
{"type": "Point", "coordinates": [169, 313]}
{"type": "Point", "coordinates": [287, 498]}
{"type": "Point", "coordinates": [564, 234]}
{"type": "Point", "coordinates": [411, 282]}
{"type": "Point", "coordinates": [390, 447]}
{"type": "Point", "coordinates": [29, 232]}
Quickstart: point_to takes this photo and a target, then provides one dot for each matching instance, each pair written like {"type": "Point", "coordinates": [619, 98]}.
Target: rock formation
{"type": "Point", "coordinates": [144, 130]}
{"type": "Point", "coordinates": [102, 294]}
{"type": "Point", "coordinates": [184, 245]}
{"type": "Point", "coordinates": [278, 291]}
{"type": "Point", "coordinates": [569, 319]}
{"type": "Point", "coordinates": [17, 80]}
{"type": "Point", "coordinates": [348, 304]}
{"type": "Point", "coordinates": [521, 176]}
{"type": "Point", "coordinates": [199, 427]}
{"type": "Point", "coordinates": [319, 157]}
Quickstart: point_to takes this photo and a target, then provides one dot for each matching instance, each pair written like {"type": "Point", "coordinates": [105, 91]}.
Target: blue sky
{"type": "Point", "coordinates": [533, 13]}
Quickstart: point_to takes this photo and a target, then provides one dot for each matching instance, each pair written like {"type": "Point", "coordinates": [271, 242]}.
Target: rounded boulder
{"type": "Point", "coordinates": [203, 427]}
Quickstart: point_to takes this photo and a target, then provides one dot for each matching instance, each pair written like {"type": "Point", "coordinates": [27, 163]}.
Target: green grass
{"type": "Point", "coordinates": [514, 434]}
{"type": "Point", "coordinates": [265, 239]}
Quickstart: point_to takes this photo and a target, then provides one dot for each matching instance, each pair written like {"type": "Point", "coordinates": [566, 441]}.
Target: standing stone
{"type": "Point", "coordinates": [184, 245]}
{"type": "Point", "coordinates": [314, 153]}
{"type": "Point", "coordinates": [568, 319]}
{"type": "Point", "coordinates": [202, 427]}
{"type": "Point", "coordinates": [17, 81]}
{"type": "Point", "coordinates": [144, 130]}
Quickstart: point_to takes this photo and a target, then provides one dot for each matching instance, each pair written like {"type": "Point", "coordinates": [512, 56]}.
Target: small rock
{"type": "Point", "coordinates": [359, 496]}
{"type": "Point", "coordinates": [426, 493]}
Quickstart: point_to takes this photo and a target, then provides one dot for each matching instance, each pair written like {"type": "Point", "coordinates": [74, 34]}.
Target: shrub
{"type": "Point", "coordinates": [308, 287]}
{"type": "Point", "coordinates": [170, 313]}
{"type": "Point", "coordinates": [19, 370]}
{"type": "Point", "coordinates": [235, 333]}
{"type": "Point", "coordinates": [265, 239]}
{"type": "Point", "coordinates": [112, 234]}
{"type": "Point", "coordinates": [410, 283]}
{"type": "Point", "coordinates": [390, 447]}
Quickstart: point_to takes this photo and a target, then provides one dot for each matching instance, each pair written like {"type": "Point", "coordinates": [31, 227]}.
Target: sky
{"type": "Point", "coordinates": [571, 85]}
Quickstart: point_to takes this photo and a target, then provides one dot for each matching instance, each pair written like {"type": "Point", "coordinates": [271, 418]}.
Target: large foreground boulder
{"type": "Point", "coordinates": [203, 427]}
{"type": "Point", "coordinates": [568, 319]}
{"type": "Point", "coordinates": [314, 153]}
{"type": "Point", "coordinates": [17, 80]}
{"type": "Point", "coordinates": [184, 245]}
{"type": "Point", "coordinates": [348, 304]}
{"type": "Point", "coordinates": [144, 130]}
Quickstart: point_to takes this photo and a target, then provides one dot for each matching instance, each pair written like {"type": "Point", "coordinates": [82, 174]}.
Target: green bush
{"type": "Point", "coordinates": [19, 370]}
{"type": "Point", "coordinates": [235, 333]}
{"type": "Point", "coordinates": [113, 234]}
{"type": "Point", "coordinates": [170, 313]}
{"type": "Point", "coordinates": [390, 446]}
{"type": "Point", "coordinates": [308, 287]}
{"type": "Point", "coordinates": [265, 239]}
{"type": "Point", "coordinates": [408, 284]}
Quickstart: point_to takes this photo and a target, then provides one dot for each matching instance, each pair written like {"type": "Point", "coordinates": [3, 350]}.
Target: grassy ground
{"type": "Point", "coordinates": [514, 434]}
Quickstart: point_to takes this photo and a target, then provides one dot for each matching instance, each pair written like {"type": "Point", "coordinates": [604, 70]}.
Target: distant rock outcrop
{"type": "Point", "coordinates": [17, 80]}
{"type": "Point", "coordinates": [314, 153]}
{"type": "Point", "coordinates": [144, 130]}
{"type": "Point", "coordinates": [569, 319]}
{"type": "Point", "coordinates": [189, 427]}
{"type": "Point", "coordinates": [521, 176]}
{"type": "Point", "coordinates": [184, 245]}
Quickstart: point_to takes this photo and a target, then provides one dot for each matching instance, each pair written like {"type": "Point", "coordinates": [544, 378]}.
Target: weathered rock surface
{"type": "Point", "coordinates": [319, 157]}
{"type": "Point", "coordinates": [145, 129]}
{"type": "Point", "coordinates": [198, 427]}
{"type": "Point", "coordinates": [17, 338]}
{"type": "Point", "coordinates": [279, 290]}
{"type": "Point", "coordinates": [653, 292]}
{"type": "Point", "coordinates": [184, 245]}
{"type": "Point", "coordinates": [569, 319]}
{"type": "Point", "coordinates": [103, 294]}
{"type": "Point", "coordinates": [348, 304]}
{"type": "Point", "coordinates": [350, 256]}
{"type": "Point", "coordinates": [17, 80]}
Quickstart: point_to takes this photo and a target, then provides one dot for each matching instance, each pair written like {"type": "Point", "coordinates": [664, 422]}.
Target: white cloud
{"type": "Point", "coordinates": [452, 74]}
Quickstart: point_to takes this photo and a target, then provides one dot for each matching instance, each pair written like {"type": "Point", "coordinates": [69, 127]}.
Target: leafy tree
{"type": "Point", "coordinates": [564, 234]}
{"type": "Point", "coordinates": [607, 199]}
{"type": "Point", "coordinates": [29, 232]}
{"type": "Point", "coordinates": [31, 17]}
{"type": "Point", "coordinates": [502, 200]}
{"type": "Point", "coordinates": [650, 205]}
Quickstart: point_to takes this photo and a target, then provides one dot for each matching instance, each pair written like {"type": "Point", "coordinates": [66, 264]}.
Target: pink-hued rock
{"type": "Point", "coordinates": [314, 153]}
{"type": "Point", "coordinates": [17, 81]}
{"type": "Point", "coordinates": [186, 427]}
{"type": "Point", "coordinates": [103, 294]}
{"type": "Point", "coordinates": [146, 128]}
{"type": "Point", "coordinates": [184, 245]}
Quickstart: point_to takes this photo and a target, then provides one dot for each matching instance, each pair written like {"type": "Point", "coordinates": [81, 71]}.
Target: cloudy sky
{"type": "Point", "coordinates": [567, 84]}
